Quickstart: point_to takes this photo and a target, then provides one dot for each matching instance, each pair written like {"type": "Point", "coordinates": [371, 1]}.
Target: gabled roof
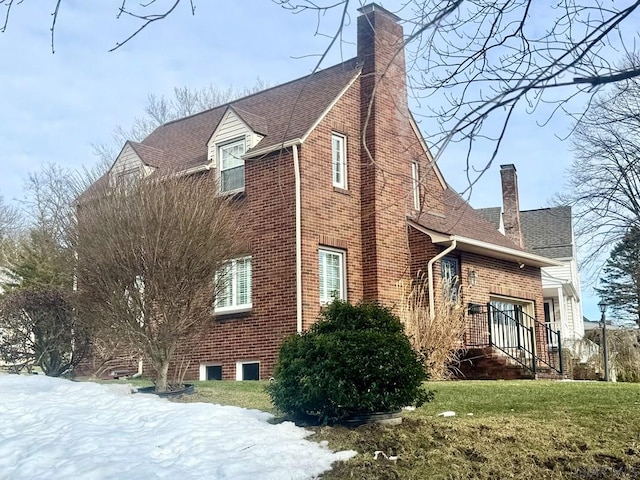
{"type": "Point", "coordinates": [547, 231]}
{"type": "Point", "coordinates": [462, 219]}
{"type": "Point", "coordinates": [255, 122]}
{"type": "Point", "coordinates": [150, 156]}
{"type": "Point", "coordinates": [282, 113]}
{"type": "Point", "coordinates": [492, 215]}
{"type": "Point", "coordinates": [472, 232]}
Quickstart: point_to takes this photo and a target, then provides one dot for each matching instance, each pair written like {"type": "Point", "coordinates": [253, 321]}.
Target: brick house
{"type": "Point", "coordinates": [342, 197]}
{"type": "Point", "coordinates": [548, 232]}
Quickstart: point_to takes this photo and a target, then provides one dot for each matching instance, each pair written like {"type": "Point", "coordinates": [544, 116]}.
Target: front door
{"type": "Point", "coordinates": [511, 326]}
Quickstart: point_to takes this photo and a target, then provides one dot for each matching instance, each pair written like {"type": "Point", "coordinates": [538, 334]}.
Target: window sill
{"type": "Point", "coordinates": [232, 314]}
{"type": "Point", "coordinates": [341, 190]}
{"type": "Point", "coordinates": [234, 195]}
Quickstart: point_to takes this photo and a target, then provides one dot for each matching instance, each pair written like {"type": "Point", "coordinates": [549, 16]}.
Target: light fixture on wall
{"type": "Point", "coordinates": [472, 277]}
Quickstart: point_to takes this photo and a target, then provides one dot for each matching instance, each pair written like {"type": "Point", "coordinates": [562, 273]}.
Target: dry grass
{"type": "Point", "coordinates": [440, 339]}
{"type": "Point", "coordinates": [518, 430]}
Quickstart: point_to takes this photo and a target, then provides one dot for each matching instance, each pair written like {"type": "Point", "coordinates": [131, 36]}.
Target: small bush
{"type": "Point", "coordinates": [38, 328]}
{"type": "Point", "coordinates": [355, 360]}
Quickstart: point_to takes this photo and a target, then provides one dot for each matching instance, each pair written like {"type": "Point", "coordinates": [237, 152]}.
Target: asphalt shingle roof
{"type": "Point", "coordinates": [547, 231]}
{"type": "Point", "coordinates": [492, 215]}
{"type": "Point", "coordinates": [282, 113]}
{"type": "Point", "coordinates": [463, 220]}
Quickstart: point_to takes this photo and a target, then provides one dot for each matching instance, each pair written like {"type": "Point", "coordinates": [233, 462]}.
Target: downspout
{"type": "Point", "coordinates": [296, 169]}
{"type": "Point", "coordinates": [432, 312]}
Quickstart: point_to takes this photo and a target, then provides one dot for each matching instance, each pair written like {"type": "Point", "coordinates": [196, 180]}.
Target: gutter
{"type": "Point", "coordinates": [450, 248]}
{"type": "Point", "coordinates": [296, 169]}
{"type": "Point", "coordinates": [280, 146]}
{"type": "Point", "coordinates": [488, 249]}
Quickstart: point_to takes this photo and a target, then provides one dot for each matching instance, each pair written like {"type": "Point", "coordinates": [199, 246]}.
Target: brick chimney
{"type": "Point", "coordinates": [385, 165]}
{"type": "Point", "coordinates": [381, 51]}
{"type": "Point", "coordinates": [511, 204]}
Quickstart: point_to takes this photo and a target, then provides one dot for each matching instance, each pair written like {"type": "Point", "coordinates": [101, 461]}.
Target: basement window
{"type": "Point", "coordinates": [211, 372]}
{"type": "Point", "coordinates": [247, 371]}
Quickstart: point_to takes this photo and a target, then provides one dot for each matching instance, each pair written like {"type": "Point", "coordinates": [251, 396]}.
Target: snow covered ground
{"type": "Point", "coordinates": [58, 429]}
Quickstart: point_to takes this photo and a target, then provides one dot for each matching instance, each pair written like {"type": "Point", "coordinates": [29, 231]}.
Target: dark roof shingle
{"type": "Point", "coordinates": [548, 231]}
{"type": "Point", "coordinates": [463, 220]}
{"type": "Point", "coordinates": [282, 113]}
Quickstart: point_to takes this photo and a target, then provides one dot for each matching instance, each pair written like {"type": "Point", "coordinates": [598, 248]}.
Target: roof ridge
{"type": "Point", "coordinates": [231, 102]}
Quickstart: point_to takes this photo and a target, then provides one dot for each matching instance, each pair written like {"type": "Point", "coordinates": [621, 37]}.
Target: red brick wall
{"type": "Point", "coordinates": [391, 146]}
{"type": "Point", "coordinates": [493, 277]}
{"type": "Point", "coordinates": [268, 211]}
{"type": "Point", "coordinates": [330, 216]}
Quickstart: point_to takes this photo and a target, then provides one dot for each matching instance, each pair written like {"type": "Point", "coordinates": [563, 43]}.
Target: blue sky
{"type": "Point", "coordinates": [54, 106]}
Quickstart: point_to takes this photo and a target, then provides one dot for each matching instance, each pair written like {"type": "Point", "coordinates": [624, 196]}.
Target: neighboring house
{"type": "Point", "coordinates": [331, 217]}
{"type": "Point", "coordinates": [547, 232]}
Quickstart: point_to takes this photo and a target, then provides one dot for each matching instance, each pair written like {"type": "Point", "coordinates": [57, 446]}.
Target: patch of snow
{"type": "Point", "coordinates": [448, 413]}
{"type": "Point", "coordinates": [58, 429]}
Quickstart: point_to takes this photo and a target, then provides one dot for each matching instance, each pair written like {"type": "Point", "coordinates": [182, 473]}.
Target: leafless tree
{"type": "Point", "coordinates": [473, 64]}
{"type": "Point", "coordinates": [10, 222]}
{"type": "Point", "coordinates": [603, 182]}
{"type": "Point", "coordinates": [9, 218]}
{"type": "Point", "coordinates": [148, 254]}
{"type": "Point", "coordinates": [44, 254]}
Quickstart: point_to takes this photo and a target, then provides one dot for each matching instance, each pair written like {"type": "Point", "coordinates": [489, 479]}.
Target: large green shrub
{"type": "Point", "coordinates": [356, 359]}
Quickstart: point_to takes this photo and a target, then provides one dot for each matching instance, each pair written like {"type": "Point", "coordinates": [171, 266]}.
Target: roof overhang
{"type": "Point", "coordinates": [479, 247]}
{"type": "Point", "coordinates": [274, 148]}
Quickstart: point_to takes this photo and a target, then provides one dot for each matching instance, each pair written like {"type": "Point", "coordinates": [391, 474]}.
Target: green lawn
{"type": "Point", "coordinates": [519, 430]}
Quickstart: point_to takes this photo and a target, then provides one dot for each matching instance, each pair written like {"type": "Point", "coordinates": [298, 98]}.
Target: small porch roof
{"type": "Point", "coordinates": [480, 247]}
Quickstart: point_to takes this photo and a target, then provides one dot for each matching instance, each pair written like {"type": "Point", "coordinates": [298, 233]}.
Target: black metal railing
{"type": "Point", "coordinates": [513, 332]}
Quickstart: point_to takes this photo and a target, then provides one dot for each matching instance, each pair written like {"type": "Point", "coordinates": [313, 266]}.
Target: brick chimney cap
{"type": "Point", "coordinates": [374, 7]}
{"type": "Point", "coordinates": [508, 166]}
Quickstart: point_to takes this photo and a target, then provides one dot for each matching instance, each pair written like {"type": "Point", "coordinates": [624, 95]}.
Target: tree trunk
{"type": "Point", "coordinates": [162, 367]}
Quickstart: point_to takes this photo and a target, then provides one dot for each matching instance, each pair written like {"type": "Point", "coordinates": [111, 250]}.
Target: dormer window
{"type": "Point", "coordinates": [232, 165]}
{"type": "Point", "coordinates": [127, 178]}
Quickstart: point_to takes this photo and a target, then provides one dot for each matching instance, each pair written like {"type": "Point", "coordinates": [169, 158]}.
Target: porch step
{"type": "Point", "coordinates": [549, 374]}
{"type": "Point", "coordinates": [487, 364]}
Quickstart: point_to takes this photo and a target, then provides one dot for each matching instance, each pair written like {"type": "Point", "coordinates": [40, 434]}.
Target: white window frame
{"type": "Point", "coordinates": [128, 177]}
{"type": "Point", "coordinates": [239, 376]}
{"type": "Point", "coordinates": [339, 166]}
{"type": "Point", "coordinates": [235, 306]}
{"type": "Point", "coordinates": [203, 370]}
{"type": "Point", "coordinates": [219, 149]}
{"type": "Point", "coordinates": [325, 295]}
{"type": "Point", "coordinates": [415, 183]}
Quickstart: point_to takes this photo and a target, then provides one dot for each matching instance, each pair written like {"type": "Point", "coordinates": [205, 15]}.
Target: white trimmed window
{"type": "Point", "coordinates": [210, 371]}
{"type": "Point", "coordinates": [235, 291]}
{"type": "Point", "coordinates": [331, 275]}
{"type": "Point", "coordinates": [248, 370]}
{"type": "Point", "coordinates": [415, 184]}
{"type": "Point", "coordinates": [339, 160]}
{"type": "Point", "coordinates": [232, 166]}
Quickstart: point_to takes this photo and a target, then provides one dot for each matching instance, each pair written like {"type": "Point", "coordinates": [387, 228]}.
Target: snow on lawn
{"type": "Point", "coordinates": [57, 429]}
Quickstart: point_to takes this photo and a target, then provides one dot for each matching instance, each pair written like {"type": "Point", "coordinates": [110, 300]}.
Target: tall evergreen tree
{"type": "Point", "coordinates": [620, 280]}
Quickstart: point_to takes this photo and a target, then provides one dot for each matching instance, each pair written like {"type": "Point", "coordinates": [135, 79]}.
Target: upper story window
{"type": "Point", "coordinates": [235, 292]}
{"type": "Point", "coordinates": [331, 275]}
{"type": "Point", "coordinates": [128, 177]}
{"type": "Point", "coordinates": [339, 160]}
{"type": "Point", "coordinates": [232, 166]}
{"type": "Point", "coordinates": [415, 184]}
